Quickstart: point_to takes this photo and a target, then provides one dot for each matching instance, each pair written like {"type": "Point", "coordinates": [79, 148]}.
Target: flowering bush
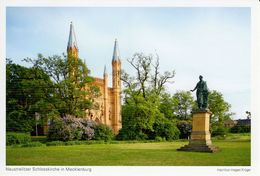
{"type": "Point", "coordinates": [71, 128]}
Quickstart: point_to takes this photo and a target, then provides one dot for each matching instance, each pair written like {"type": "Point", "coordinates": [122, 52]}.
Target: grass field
{"type": "Point", "coordinates": [234, 152]}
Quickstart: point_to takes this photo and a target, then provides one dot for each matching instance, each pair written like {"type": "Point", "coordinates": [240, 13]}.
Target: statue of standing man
{"type": "Point", "coordinates": [202, 94]}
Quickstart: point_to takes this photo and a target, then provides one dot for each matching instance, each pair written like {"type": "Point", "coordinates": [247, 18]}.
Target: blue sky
{"type": "Point", "coordinates": [213, 42]}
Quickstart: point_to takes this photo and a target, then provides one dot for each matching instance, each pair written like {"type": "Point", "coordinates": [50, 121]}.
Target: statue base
{"type": "Point", "coordinates": [200, 140]}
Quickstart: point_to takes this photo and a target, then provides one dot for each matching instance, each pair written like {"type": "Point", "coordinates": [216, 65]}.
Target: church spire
{"type": "Point", "coordinates": [116, 85]}
{"type": "Point", "coordinates": [72, 52]}
{"type": "Point", "coordinates": [116, 55]}
{"type": "Point", "coordinates": [105, 71]}
{"type": "Point", "coordinates": [72, 43]}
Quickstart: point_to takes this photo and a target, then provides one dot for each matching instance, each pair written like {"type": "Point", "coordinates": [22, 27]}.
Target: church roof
{"type": "Point", "coordinates": [116, 55]}
{"type": "Point", "coordinates": [72, 43]}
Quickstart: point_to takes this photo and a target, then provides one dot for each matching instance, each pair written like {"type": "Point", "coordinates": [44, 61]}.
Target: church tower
{"type": "Point", "coordinates": [107, 106]}
{"type": "Point", "coordinates": [106, 97]}
{"type": "Point", "coordinates": [116, 74]}
{"type": "Point", "coordinates": [72, 50]}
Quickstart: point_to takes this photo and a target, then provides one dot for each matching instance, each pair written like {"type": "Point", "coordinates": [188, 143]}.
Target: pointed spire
{"type": "Point", "coordinates": [72, 43]}
{"type": "Point", "coordinates": [105, 70]}
{"type": "Point", "coordinates": [116, 55]}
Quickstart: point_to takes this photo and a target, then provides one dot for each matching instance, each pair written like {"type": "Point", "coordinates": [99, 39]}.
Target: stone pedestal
{"type": "Point", "coordinates": [200, 140]}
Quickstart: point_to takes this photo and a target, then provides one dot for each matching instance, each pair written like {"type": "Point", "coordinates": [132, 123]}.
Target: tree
{"type": "Point", "coordinates": [141, 116]}
{"type": "Point", "coordinates": [148, 79]}
{"type": "Point", "coordinates": [25, 87]}
{"type": "Point", "coordinates": [71, 93]}
{"type": "Point", "coordinates": [220, 109]}
{"type": "Point", "coordinates": [183, 103]}
{"type": "Point", "coordinates": [166, 105]}
{"type": "Point", "coordinates": [138, 118]}
{"type": "Point", "coordinates": [166, 129]}
{"type": "Point", "coordinates": [47, 88]}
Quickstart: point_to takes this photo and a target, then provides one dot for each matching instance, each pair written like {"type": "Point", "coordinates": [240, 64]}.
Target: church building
{"type": "Point", "coordinates": [107, 107]}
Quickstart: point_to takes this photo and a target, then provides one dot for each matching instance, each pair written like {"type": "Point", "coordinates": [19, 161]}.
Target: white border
{"type": "Point", "coordinates": [132, 3]}
{"type": "Point", "coordinates": [143, 171]}
{"type": "Point", "coordinates": [255, 84]}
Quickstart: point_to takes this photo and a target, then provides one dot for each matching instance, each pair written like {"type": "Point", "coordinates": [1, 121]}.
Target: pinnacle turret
{"type": "Point", "coordinates": [72, 43]}
{"type": "Point", "coordinates": [116, 55]}
{"type": "Point", "coordinates": [105, 71]}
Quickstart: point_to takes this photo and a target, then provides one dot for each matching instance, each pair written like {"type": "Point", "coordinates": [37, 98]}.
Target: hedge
{"type": "Point", "coordinates": [13, 138]}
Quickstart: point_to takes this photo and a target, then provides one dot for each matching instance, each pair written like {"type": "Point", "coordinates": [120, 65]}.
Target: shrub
{"type": "Point", "coordinates": [77, 142]}
{"type": "Point", "coordinates": [97, 142]}
{"type": "Point", "coordinates": [114, 142]}
{"type": "Point", "coordinates": [58, 131]}
{"type": "Point", "coordinates": [19, 121]}
{"type": "Point", "coordinates": [122, 134]}
{"type": "Point", "coordinates": [159, 139]}
{"type": "Point", "coordinates": [219, 131]}
{"type": "Point", "coordinates": [13, 138]}
{"type": "Point", "coordinates": [166, 129]}
{"type": "Point", "coordinates": [61, 143]}
{"type": "Point", "coordinates": [103, 132]}
{"type": "Point", "coordinates": [70, 128]}
{"type": "Point", "coordinates": [73, 143]}
{"type": "Point", "coordinates": [33, 144]}
{"type": "Point", "coordinates": [240, 129]}
{"type": "Point", "coordinates": [55, 143]}
{"type": "Point", "coordinates": [220, 137]}
{"type": "Point", "coordinates": [140, 136]}
{"type": "Point", "coordinates": [185, 128]}
{"type": "Point", "coordinates": [131, 134]}
{"type": "Point", "coordinates": [41, 139]}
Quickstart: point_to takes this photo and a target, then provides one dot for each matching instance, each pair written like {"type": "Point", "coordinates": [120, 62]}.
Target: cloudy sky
{"type": "Point", "coordinates": [213, 42]}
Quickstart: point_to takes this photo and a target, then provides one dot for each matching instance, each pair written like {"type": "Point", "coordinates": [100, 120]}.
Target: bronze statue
{"type": "Point", "coordinates": [202, 94]}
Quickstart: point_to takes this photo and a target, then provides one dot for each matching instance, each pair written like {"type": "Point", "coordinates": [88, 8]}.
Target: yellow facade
{"type": "Point", "coordinates": [200, 127]}
{"type": "Point", "coordinates": [107, 107]}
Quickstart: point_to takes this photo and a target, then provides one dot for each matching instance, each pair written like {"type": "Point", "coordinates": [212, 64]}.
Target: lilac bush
{"type": "Point", "coordinates": [71, 128]}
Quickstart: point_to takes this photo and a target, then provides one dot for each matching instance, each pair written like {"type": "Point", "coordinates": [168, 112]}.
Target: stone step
{"type": "Point", "coordinates": [199, 148]}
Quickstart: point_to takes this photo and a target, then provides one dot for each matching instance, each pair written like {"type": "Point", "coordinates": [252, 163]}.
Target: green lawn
{"type": "Point", "coordinates": [234, 152]}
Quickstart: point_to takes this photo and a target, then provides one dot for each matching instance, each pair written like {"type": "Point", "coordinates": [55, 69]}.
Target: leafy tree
{"type": "Point", "coordinates": [183, 103]}
{"type": "Point", "coordinates": [220, 110]}
{"type": "Point", "coordinates": [25, 87]}
{"type": "Point", "coordinates": [142, 97]}
{"type": "Point", "coordinates": [19, 121]}
{"type": "Point", "coordinates": [166, 129]}
{"type": "Point", "coordinates": [69, 78]}
{"type": "Point", "coordinates": [138, 118]}
{"type": "Point", "coordinates": [179, 107]}
{"type": "Point", "coordinates": [185, 127]}
{"type": "Point", "coordinates": [166, 105]}
{"type": "Point", "coordinates": [52, 87]}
